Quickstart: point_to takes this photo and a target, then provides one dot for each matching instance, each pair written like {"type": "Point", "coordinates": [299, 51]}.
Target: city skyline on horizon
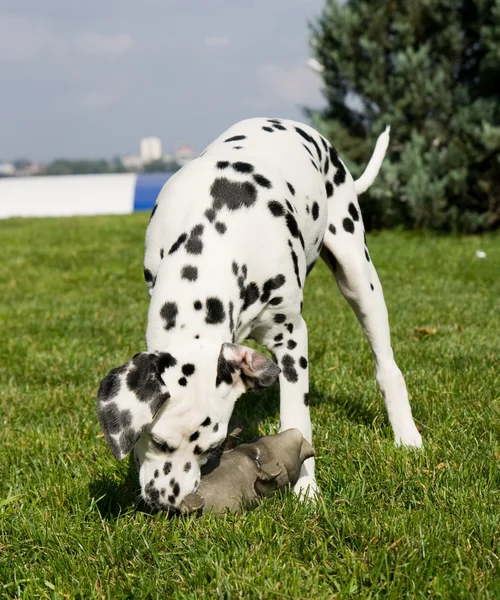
{"type": "Point", "coordinates": [167, 154]}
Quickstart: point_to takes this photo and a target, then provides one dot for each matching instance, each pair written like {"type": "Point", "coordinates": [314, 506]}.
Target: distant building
{"type": "Point", "coordinates": [184, 154]}
{"type": "Point", "coordinates": [132, 162]}
{"type": "Point", "coordinates": [7, 169]}
{"type": "Point", "coordinates": [151, 149]}
{"type": "Point", "coordinates": [32, 169]}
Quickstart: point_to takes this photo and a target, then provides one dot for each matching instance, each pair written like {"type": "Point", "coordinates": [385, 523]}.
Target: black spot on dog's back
{"type": "Point", "coordinates": [348, 225]}
{"type": "Point", "coordinates": [295, 261]}
{"type": "Point", "coordinates": [262, 181]}
{"type": "Point", "coordinates": [231, 194]}
{"type": "Point", "coordinates": [340, 175]}
{"type": "Point", "coordinates": [277, 209]}
{"type": "Point", "coordinates": [194, 244]}
{"type": "Point", "coordinates": [221, 227]}
{"type": "Point", "coordinates": [243, 167]}
{"type": "Point", "coordinates": [251, 295]}
{"type": "Point", "coordinates": [353, 211]}
{"type": "Point", "coordinates": [180, 240]}
{"type": "Point", "coordinates": [270, 285]}
{"type": "Point", "coordinates": [215, 312]}
{"type": "Point", "coordinates": [292, 225]}
{"type": "Point", "coordinates": [189, 272]}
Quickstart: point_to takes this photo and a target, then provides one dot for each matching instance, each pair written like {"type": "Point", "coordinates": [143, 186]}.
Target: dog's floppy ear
{"type": "Point", "coordinates": [129, 398]}
{"type": "Point", "coordinates": [240, 363]}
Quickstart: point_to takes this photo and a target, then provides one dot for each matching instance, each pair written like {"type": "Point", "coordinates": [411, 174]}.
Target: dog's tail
{"type": "Point", "coordinates": [373, 167]}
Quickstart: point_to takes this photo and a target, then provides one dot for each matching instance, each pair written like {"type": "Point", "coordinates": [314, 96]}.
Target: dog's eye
{"type": "Point", "coordinates": [162, 446]}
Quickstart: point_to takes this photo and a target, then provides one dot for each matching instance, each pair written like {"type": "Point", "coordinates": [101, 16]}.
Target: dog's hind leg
{"type": "Point", "coordinates": [345, 252]}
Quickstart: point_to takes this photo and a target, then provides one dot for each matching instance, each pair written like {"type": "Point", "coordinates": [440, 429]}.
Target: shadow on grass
{"type": "Point", "coordinates": [113, 498]}
{"type": "Point", "coordinates": [348, 406]}
{"type": "Point", "coordinates": [252, 409]}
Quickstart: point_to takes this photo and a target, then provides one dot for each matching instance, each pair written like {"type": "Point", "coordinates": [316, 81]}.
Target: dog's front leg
{"type": "Point", "coordinates": [289, 346]}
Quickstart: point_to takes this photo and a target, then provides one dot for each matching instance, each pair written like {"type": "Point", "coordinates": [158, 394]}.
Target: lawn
{"type": "Point", "coordinates": [393, 523]}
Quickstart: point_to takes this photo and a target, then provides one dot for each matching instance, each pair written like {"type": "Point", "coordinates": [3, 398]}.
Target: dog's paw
{"type": "Point", "coordinates": [410, 438]}
{"type": "Point", "coordinates": [307, 489]}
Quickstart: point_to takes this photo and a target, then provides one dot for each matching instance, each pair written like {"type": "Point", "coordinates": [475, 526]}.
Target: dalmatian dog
{"type": "Point", "coordinates": [230, 242]}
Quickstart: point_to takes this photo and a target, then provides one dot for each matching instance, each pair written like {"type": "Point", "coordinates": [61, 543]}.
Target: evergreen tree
{"type": "Point", "coordinates": [431, 70]}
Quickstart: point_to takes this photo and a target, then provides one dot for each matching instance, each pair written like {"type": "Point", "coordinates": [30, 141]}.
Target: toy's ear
{"type": "Point", "coordinates": [306, 450]}
{"type": "Point", "coordinates": [270, 470]}
{"type": "Point", "coordinates": [267, 478]}
{"type": "Point", "coordinates": [129, 398]}
{"type": "Point", "coordinates": [240, 363]}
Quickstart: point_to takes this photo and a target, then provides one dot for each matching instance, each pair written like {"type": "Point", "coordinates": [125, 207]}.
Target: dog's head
{"type": "Point", "coordinates": [174, 409]}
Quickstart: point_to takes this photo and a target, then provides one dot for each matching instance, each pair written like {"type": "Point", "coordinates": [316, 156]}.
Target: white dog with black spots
{"type": "Point", "coordinates": [230, 242]}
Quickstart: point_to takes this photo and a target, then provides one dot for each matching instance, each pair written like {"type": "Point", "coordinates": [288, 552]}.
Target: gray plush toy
{"type": "Point", "coordinates": [237, 478]}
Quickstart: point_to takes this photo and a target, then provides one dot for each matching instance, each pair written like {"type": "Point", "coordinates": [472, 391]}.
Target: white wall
{"type": "Point", "coordinates": [67, 195]}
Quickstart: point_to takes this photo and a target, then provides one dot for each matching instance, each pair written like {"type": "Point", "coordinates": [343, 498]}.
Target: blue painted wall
{"type": "Point", "coordinates": [147, 188]}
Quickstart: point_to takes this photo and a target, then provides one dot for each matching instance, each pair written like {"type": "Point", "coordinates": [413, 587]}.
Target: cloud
{"type": "Point", "coordinates": [285, 84]}
{"type": "Point", "coordinates": [217, 41]}
{"type": "Point", "coordinates": [103, 45]}
{"type": "Point", "coordinates": [34, 40]}
{"type": "Point", "coordinates": [96, 99]}
{"type": "Point", "coordinates": [22, 40]}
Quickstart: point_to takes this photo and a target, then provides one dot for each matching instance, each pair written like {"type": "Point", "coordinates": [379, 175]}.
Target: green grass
{"type": "Point", "coordinates": [393, 523]}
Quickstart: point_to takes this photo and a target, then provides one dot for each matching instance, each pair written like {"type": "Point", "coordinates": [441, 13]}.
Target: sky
{"type": "Point", "coordinates": [89, 79]}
